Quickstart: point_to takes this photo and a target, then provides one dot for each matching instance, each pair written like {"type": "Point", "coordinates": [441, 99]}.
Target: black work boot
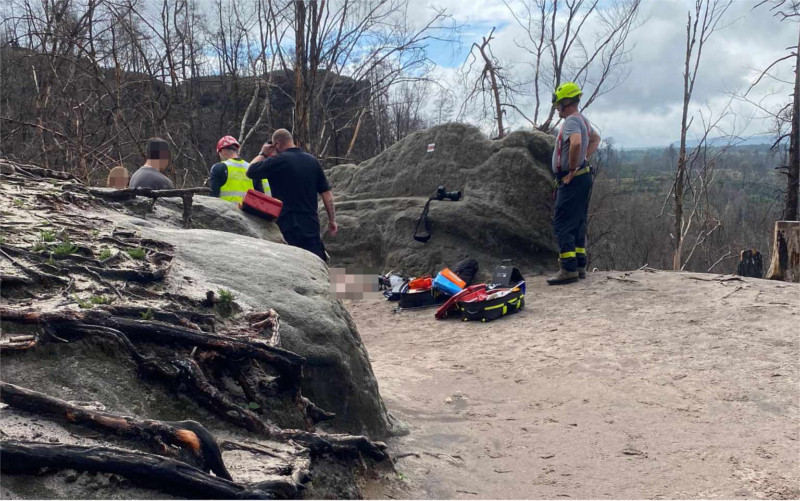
{"type": "Point", "coordinates": [563, 277]}
{"type": "Point", "coordinates": [581, 272]}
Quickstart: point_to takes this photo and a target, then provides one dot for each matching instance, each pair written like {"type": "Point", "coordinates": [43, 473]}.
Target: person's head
{"type": "Point", "coordinates": [157, 154]}
{"type": "Point", "coordinates": [566, 99]}
{"type": "Point", "coordinates": [118, 178]}
{"type": "Point", "coordinates": [227, 148]}
{"type": "Point", "coordinates": [282, 140]}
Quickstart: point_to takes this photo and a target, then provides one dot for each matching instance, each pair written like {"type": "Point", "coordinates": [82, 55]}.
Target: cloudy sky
{"type": "Point", "coordinates": [645, 110]}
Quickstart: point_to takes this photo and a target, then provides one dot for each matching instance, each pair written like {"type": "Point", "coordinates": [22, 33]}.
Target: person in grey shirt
{"type": "Point", "coordinates": [150, 175]}
{"type": "Point", "coordinates": [576, 142]}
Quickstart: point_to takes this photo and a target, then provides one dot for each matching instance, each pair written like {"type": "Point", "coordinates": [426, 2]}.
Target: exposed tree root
{"type": "Point", "coordinates": [240, 374]}
{"type": "Point", "coordinates": [199, 446]}
{"type": "Point", "coordinates": [185, 372]}
{"type": "Point", "coordinates": [148, 470]}
{"type": "Point", "coordinates": [35, 274]}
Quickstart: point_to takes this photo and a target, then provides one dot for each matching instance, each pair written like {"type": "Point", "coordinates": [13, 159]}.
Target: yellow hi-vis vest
{"type": "Point", "coordinates": [238, 183]}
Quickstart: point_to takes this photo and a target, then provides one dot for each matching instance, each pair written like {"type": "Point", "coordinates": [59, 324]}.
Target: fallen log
{"type": "Point", "coordinates": [131, 193]}
{"type": "Point", "coordinates": [189, 436]}
{"type": "Point", "coordinates": [147, 470]}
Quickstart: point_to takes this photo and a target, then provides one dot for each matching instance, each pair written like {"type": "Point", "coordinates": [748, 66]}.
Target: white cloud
{"type": "Point", "coordinates": [646, 108]}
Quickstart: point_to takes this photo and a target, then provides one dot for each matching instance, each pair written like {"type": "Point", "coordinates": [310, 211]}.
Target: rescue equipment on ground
{"type": "Point", "coordinates": [466, 269]}
{"type": "Point", "coordinates": [444, 284]}
{"type": "Point", "coordinates": [421, 283]}
{"type": "Point", "coordinates": [416, 298]}
{"type": "Point", "coordinates": [262, 205]}
{"type": "Point", "coordinates": [504, 295]}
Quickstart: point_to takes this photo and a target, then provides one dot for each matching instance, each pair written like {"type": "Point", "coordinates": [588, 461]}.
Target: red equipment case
{"type": "Point", "coordinates": [261, 205]}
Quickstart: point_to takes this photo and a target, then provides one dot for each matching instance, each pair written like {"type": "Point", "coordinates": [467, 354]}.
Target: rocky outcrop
{"type": "Point", "coordinates": [505, 212]}
{"type": "Point", "coordinates": [196, 363]}
{"type": "Point", "coordinates": [209, 213]}
{"type": "Point", "coordinates": [295, 283]}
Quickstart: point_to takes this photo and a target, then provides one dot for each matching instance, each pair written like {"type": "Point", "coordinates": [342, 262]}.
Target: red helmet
{"type": "Point", "coordinates": [227, 141]}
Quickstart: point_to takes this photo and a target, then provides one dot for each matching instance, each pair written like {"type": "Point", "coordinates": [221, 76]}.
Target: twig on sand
{"type": "Point", "coordinates": [720, 278]}
{"type": "Point", "coordinates": [738, 288]}
{"type": "Point", "coordinates": [621, 279]}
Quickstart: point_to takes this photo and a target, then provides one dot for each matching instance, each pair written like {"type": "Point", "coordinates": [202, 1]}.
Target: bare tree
{"type": "Point", "coordinates": [699, 28]}
{"type": "Point", "coordinates": [561, 50]}
{"type": "Point", "coordinates": [491, 79]}
{"type": "Point", "coordinates": [787, 118]}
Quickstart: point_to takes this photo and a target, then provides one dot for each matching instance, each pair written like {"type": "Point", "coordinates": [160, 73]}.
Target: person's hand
{"type": "Point", "coordinates": [333, 228]}
{"type": "Point", "coordinates": [568, 177]}
{"type": "Point", "coordinates": [267, 149]}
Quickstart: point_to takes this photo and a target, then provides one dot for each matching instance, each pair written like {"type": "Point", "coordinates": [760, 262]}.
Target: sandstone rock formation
{"type": "Point", "coordinates": [153, 355]}
{"type": "Point", "coordinates": [505, 212]}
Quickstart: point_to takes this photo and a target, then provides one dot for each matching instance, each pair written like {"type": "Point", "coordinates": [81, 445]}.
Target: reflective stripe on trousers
{"type": "Point", "coordinates": [569, 221]}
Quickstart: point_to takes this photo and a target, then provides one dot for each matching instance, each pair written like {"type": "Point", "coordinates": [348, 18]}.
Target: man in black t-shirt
{"type": "Point", "coordinates": [296, 178]}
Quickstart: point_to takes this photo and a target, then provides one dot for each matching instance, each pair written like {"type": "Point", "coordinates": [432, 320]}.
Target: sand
{"type": "Point", "coordinates": [626, 385]}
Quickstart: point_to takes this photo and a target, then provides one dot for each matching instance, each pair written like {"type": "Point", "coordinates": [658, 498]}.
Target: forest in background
{"type": "Point", "coordinates": [630, 225]}
{"type": "Point", "coordinates": [86, 82]}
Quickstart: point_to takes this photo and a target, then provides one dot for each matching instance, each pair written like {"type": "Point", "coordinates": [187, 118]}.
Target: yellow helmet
{"type": "Point", "coordinates": [565, 91]}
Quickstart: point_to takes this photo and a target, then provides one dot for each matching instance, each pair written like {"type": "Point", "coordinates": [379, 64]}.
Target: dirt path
{"type": "Point", "coordinates": [646, 385]}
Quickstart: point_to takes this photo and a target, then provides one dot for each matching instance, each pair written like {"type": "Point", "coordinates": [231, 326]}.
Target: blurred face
{"type": "Point", "coordinates": [118, 181]}
{"type": "Point", "coordinates": [159, 156]}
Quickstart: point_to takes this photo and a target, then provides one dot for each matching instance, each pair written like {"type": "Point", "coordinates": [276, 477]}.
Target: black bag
{"type": "Point", "coordinates": [506, 276]}
{"type": "Point", "coordinates": [424, 219]}
{"type": "Point", "coordinates": [492, 309]}
{"type": "Point", "coordinates": [466, 269]}
{"type": "Point", "coordinates": [423, 299]}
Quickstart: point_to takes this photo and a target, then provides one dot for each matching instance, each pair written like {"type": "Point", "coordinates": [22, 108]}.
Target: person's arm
{"type": "Point", "coordinates": [327, 201]}
{"type": "Point", "coordinates": [324, 189]}
{"type": "Point", "coordinates": [574, 156]}
{"type": "Point", "coordinates": [168, 184]}
{"type": "Point", "coordinates": [594, 143]}
{"type": "Point", "coordinates": [217, 178]}
{"type": "Point", "coordinates": [258, 165]}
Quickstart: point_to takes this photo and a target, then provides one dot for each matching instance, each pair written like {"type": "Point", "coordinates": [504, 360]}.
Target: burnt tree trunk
{"type": "Point", "coordinates": [785, 263]}
{"type": "Point", "coordinates": [793, 172]}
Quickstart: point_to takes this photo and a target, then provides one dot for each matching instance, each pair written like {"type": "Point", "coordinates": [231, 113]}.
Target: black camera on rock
{"type": "Point", "coordinates": [442, 193]}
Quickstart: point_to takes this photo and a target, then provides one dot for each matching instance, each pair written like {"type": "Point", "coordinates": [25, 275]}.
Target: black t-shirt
{"type": "Point", "coordinates": [295, 178]}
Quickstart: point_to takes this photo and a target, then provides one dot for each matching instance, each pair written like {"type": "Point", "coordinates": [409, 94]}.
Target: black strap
{"type": "Point", "coordinates": [424, 218]}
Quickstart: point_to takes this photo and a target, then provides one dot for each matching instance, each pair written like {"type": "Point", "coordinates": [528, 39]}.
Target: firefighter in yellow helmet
{"type": "Point", "coordinates": [228, 179]}
{"type": "Point", "coordinates": [575, 143]}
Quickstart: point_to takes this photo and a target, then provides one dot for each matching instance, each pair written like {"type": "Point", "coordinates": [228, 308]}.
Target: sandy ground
{"type": "Point", "coordinates": [637, 385]}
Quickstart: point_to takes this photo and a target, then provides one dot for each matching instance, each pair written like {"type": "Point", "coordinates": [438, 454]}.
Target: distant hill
{"type": "Point", "coordinates": [760, 139]}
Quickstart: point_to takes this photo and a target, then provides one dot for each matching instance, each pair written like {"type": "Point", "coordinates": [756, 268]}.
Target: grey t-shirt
{"type": "Point", "coordinates": [148, 177]}
{"type": "Point", "coordinates": [574, 123]}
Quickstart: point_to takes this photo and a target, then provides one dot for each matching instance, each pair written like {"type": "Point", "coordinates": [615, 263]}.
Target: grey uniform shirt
{"type": "Point", "coordinates": [148, 177]}
{"type": "Point", "coordinates": [574, 123]}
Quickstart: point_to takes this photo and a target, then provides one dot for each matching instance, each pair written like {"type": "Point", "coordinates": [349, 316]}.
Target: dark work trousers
{"type": "Point", "coordinates": [311, 243]}
{"type": "Point", "coordinates": [569, 221]}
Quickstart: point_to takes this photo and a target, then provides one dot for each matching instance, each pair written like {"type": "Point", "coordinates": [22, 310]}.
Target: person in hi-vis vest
{"type": "Point", "coordinates": [228, 179]}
